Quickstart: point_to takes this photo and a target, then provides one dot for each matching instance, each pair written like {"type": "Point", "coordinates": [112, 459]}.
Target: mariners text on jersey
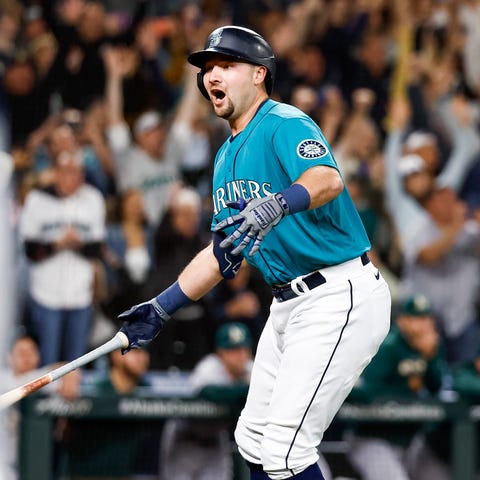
{"type": "Point", "coordinates": [236, 189]}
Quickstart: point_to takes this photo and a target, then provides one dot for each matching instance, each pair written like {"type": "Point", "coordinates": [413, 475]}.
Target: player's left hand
{"type": "Point", "coordinates": [256, 218]}
{"type": "Point", "coordinates": [143, 323]}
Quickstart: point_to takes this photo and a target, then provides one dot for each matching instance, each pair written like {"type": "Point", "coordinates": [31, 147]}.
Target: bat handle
{"type": "Point", "coordinates": [120, 340]}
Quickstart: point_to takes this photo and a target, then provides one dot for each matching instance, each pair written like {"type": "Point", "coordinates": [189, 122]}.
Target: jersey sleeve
{"type": "Point", "coordinates": [299, 145]}
{"type": "Point", "coordinates": [30, 221]}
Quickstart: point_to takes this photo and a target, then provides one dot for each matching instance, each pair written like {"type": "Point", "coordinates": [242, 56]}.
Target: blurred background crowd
{"type": "Point", "coordinates": [110, 146]}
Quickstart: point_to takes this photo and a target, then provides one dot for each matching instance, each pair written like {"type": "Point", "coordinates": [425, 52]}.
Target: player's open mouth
{"type": "Point", "coordinates": [217, 95]}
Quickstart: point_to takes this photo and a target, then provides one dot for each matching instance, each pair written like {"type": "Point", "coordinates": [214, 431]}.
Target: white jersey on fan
{"type": "Point", "coordinates": [65, 279]}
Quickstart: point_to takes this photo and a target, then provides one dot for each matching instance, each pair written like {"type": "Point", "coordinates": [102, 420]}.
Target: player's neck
{"type": "Point", "coordinates": [240, 123]}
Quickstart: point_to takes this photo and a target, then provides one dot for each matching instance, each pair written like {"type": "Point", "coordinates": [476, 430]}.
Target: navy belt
{"type": "Point", "coordinates": [312, 280]}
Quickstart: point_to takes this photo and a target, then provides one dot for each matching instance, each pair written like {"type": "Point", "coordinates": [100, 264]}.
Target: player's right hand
{"type": "Point", "coordinates": [256, 218]}
{"type": "Point", "coordinates": [143, 322]}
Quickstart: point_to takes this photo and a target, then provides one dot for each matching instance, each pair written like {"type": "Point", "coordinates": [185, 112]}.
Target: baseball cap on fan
{"type": "Point", "coordinates": [147, 121]}
{"type": "Point", "coordinates": [416, 306]}
{"type": "Point", "coordinates": [409, 164]}
{"type": "Point", "coordinates": [233, 335]}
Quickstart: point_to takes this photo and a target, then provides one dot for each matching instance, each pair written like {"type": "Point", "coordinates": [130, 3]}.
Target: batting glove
{"type": "Point", "coordinates": [143, 322]}
{"type": "Point", "coordinates": [228, 264]}
{"type": "Point", "coordinates": [256, 218]}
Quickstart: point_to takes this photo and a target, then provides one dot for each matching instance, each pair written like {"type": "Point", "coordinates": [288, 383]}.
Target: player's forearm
{"type": "Point", "coordinates": [200, 275]}
{"type": "Point", "coordinates": [322, 183]}
{"type": "Point", "coordinates": [143, 322]}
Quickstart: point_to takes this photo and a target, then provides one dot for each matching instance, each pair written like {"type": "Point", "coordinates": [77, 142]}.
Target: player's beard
{"type": "Point", "coordinates": [225, 111]}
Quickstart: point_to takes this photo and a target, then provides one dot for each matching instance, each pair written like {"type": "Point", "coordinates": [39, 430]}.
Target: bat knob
{"type": "Point", "coordinates": [123, 338]}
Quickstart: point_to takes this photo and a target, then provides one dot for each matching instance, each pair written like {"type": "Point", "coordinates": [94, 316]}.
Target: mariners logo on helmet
{"type": "Point", "coordinates": [215, 38]}
{"type": "Point", "coordinates": [311, 149]}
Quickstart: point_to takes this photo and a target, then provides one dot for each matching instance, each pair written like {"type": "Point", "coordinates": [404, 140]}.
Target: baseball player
{"type": "Point", "coordinates": [280, 203]}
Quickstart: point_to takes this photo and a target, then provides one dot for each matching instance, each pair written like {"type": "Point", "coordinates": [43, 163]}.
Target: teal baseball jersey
{"type": "Point", "coordinates": [275, 148]}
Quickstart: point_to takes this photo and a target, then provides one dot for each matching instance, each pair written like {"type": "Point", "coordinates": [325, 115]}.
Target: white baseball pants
{"type": "Point", "coordinates": [310, 354]}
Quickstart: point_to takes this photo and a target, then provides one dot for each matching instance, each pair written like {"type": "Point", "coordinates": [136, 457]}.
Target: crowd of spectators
{"type": "Point", "coordinates": [112, 146]}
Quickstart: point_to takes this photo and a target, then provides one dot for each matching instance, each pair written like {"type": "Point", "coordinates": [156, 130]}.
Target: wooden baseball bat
{"type": "Point", "coordinates": [120, 340]}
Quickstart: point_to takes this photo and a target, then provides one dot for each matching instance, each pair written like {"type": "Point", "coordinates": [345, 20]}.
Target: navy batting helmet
{"type": "Point", "coordinates": [238, 43]}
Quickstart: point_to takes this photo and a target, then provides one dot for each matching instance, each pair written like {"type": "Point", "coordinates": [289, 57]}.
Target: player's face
{"type": "Point", "coordinates": [231, 86]}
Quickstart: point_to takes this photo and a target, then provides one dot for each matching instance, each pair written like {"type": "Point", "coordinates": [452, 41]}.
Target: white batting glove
{"type": "Point", "coordinates": [256, 218]}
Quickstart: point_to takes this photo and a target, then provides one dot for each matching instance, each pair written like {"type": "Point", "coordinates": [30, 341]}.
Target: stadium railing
{"type": "Point", "coordinates": [40, 414]}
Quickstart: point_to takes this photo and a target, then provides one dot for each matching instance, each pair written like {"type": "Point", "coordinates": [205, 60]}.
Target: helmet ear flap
{"type": "Point", "coordinates": [200, 84]}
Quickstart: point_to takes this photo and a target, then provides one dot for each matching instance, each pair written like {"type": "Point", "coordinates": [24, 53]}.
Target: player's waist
{"type": "Point", "coordinates": [301, 285]}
